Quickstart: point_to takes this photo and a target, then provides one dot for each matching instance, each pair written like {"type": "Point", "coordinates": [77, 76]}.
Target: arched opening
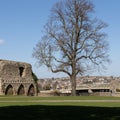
{"type": "Point", "coordinates": [9, 90]}
{"type": "Point", "coordinates": [31, 90]}
{"type": "Point", "coordinates": [21, 90]}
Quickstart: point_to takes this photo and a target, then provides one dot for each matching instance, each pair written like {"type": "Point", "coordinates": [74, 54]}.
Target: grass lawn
{"type": "Point", "coordinates": [35, 108]}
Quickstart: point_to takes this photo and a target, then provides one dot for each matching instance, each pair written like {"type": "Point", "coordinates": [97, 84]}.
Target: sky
{"type": "Point", "coordinates": [21, 25]}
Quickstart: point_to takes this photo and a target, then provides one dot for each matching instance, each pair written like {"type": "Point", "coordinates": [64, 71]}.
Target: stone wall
{"type": "Point", "coordinates": [16, 78]}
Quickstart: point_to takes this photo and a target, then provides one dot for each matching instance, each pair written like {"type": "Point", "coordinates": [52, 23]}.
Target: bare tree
{"type": "Point", "coordinates": [73, 41]}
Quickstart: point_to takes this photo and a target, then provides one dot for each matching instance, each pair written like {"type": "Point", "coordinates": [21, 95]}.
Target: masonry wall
{"type": "Point", "coordinates": [16, 78]}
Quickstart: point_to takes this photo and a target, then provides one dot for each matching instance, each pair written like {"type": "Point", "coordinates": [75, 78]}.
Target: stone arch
{"type": "Point", "coordinates": [21, 90]}
{"type": "Point", "coordinates": [31, 90]}
{"type": "Point", "coordinates": [9, 90]}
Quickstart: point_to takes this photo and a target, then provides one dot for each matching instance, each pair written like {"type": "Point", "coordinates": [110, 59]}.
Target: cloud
{"type": "Point", "coordinates": [1, 41]}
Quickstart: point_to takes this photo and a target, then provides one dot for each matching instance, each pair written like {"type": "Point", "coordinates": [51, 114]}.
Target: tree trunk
{"type": "Point", "coordinates": [73, 85]}
{"type": "Point", "coordinates": [73, 79]}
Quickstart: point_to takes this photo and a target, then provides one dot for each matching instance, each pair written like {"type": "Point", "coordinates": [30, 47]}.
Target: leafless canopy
{"type": "Point", "coordinates": [73, 39]}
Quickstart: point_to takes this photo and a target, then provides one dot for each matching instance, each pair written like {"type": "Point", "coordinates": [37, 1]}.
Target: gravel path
{"type": "Point", "coordinates": [37, 101]}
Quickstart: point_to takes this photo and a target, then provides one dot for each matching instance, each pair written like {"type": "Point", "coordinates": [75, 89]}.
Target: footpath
{"type": "Point", "coordinates": [37, 101]}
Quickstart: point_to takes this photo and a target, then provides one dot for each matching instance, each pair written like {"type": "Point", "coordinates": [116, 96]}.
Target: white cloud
{"type": "Point", "coordinates": [1, 41]}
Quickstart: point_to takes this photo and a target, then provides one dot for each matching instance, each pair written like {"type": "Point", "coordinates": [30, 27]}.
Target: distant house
{"type": "Point", "coordinates": [16, 78]}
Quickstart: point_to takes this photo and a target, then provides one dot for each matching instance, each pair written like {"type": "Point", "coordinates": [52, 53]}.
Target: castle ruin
{"type": "Point", "coordinates": [16, 78]}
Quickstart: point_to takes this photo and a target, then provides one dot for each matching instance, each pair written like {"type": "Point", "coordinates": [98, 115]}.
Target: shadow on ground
{"type": "Point", "coordinates": [41, 112]}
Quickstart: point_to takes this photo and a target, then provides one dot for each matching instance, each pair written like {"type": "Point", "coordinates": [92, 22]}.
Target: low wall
{"type": "Point", "coordinates": [117, 94]}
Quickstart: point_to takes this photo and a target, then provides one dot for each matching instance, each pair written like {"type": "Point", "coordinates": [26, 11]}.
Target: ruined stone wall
{"type": "Point", "coordinates": [11, 70]}
{"type": "Point", "coordinates": [16, 78]}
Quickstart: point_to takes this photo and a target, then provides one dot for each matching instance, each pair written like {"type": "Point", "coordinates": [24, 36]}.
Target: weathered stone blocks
{"type": "Point", "coordinates": [16, 78]}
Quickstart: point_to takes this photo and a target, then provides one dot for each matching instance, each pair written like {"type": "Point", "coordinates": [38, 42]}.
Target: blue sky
{"type": "Point", "coordinates": [21, 25]}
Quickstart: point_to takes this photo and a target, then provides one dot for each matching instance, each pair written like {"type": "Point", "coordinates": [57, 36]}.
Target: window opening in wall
{"type": "Point", "coordinates": [21, 70]}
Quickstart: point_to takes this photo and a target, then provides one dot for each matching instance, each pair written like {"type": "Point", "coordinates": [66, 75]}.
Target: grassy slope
{"type": "Point", "coordinates": [22, 100]}
{"type": "Point", "coordinates": [22, 108]}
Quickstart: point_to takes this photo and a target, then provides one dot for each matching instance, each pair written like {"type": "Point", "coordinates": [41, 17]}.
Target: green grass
{"type": "Point", "coordinates": [56, 112]}
{"type": "Point", "coordinates": [31, 108]}
{"type": "Point", "coordinates": [23, 98]}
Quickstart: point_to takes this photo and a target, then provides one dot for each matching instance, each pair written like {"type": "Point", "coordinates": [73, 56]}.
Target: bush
{"type": "Point", "coordinates": [47, 87]}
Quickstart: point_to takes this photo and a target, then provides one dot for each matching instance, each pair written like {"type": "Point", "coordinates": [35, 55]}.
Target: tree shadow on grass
{"type": "Point", "coordinates": [42, 112]}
